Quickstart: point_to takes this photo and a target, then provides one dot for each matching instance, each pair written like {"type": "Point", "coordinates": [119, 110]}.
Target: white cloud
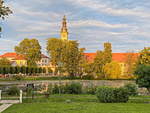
{"type": "Point", "coordinates": [96, 23]}
{"type": "Point", "coordinates": [101, 7]}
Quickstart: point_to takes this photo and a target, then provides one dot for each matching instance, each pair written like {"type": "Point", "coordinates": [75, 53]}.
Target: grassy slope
{"type": "Point", "coordinates": [79, 104]}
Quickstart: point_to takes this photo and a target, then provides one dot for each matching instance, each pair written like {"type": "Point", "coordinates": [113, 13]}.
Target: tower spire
{"type": "Point", "coordinates": [64, 30]}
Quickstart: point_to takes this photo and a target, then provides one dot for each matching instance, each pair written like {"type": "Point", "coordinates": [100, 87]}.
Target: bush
{"type": "Point", "coordinates": [18, 77]}
{"type": "Point", "coordinates": [29, 91]}
{"type": "Point", "coordinates": [105, 94]}
{"type": "Point", "coordinates": [73, 88]}
{"type": "Point", "coordinates": [132, 89]}
{"type": "Point", "coordinates": [121, 95]}
{"type": "Point", "coordinates": [56, 88]}
{"type": "Point", "coordinates": [14, 90]}
{"type": "Point", "coordinates": [50, 89]}
{"type": "Point", "coordinates": [90, 89]}
{"type": "Point", "coordinates": [88, 77]}
{"type": "Point", "coordinates": [111, 95]}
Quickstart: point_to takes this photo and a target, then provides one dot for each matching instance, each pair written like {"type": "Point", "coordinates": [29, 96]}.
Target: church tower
{"type": "Point", "coordinates": [64, 30]}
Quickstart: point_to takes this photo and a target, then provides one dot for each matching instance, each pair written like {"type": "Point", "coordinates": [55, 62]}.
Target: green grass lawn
{"type": "Point", "coordinates": [78, 104]}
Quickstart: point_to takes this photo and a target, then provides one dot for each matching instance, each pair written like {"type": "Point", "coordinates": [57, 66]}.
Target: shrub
{"type": "Point", "coordinates": [105, 94]}
{"type": "Point", "coordinates": [90, 89]}
{"type": "Point", "coordinates": [121, 94]}
{"type": "Point", "coordinates": [50, 89]}
{"type": "Point", "coordinates": [18, 77]}
{"type": "Point", "coordinates": [14, 90]}
{"type": "Point", "coordinates": [55, 89]}
{"type": "Point", "coordinates": [58, 89]}
{"type": "Point", "coordinates": [111, 95]}
{"type": "Point", "coordinates": [142, 73]}
{"type": "Point", "coordinates": [29, 91]}
{"type": "Point", "coordinates": [132, 89]}
{"type": "Point", "coordinates": [88, 77]}
{"type": "Point", "coordinates": [73, 88]}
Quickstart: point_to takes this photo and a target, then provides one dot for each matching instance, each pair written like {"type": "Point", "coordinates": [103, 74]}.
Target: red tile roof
{"type": "Point", "coordinates": [19, 58]}
{"type": "Point", "coordinates": [44, 56]}
{"type": "Point", "coordinates": [8, 55]}
{"type": "Point", "coordinates": [90, 56]}
{"type": "Point", "coordinates": [14, 56]}
{"type": "Point", "coordinates": [119, 57]}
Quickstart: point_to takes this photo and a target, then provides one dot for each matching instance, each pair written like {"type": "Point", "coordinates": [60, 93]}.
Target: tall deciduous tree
{"type": "Point", "coordinates": [55, 48]}
{"type": "Point", "coordinates": [82, 62]}
{"type": "Point", "coordinates": [143, 76]}
{"type": "Point", "coordinates": [31, 49]}
{"type": "Point", "coordinates": [4, 11]}
{"type": "Point", "coordinates": [65, 55]}
{"type": "Point", "coordinates": [5, 62]}
{"type": "Point", "coordinates": [102, 58]}
{"type": "Point", "coordinates": [89, 69]}
{"type": "Point", "coordinates": [99, 62]}
{"type": "Point", "coordinates": [130, 63]}
{"type": "Point", "coordinates": [71, 58]}
{"type": "Point", "coordinates": [144, 57]}
{"type": "Point", "coordinates": [107, 52]}
{"type": "Point", "coordinates": [112, 70]}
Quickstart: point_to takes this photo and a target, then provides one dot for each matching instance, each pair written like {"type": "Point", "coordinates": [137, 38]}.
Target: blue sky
{"type": "Point", "coordinates": [124, 23]}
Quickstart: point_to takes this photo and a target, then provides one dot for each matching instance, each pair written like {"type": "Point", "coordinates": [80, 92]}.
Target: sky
{"type": "Point", "coordinates": [124, 23]}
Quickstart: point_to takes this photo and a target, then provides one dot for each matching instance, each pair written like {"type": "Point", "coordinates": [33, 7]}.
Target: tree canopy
{"type": "Point", "coordinates": [107, 52]}
{"type": "Point", "coordinates": [144, 57]}
{"type": "Point", "coordinates": [112, 70]}
{"type": "Point", "coordinates": [143, 76]}
{"type": "Point", "coordinates": [130, 62]}
{"type": "Point", "coordinates": [99, 62]}
{"type": "Point", "coordinates": [31, 49]}
{"type": "Point", "coordinates": [65, 55]}
{"type": "Point", "coordinates": [55, 49]}
{"type": "Point", "coordinates": [4, 11]}
{"type": "Point", "coordinates": [101, 59]}
{"type": "Point", "coordinates": [5, 62]}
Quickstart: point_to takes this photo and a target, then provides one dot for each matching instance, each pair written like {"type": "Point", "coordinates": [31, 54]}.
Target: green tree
{"type": "Point", "coordinates": [55, 48]}
{"type": "Point", "coordinates": [71, 58]}
{"type": "Point", "coordinates": [31, 49]}
{"type": "Point", "coordinates": [89, 68]}
{"type": "Point", "coordinates": [5, 62]}
{"type": "Point", "coordinates": [112, 70]}
{"type": "Point", "coordinates": [4, 11]}
{"type": "Point", "coordinates": [4, 71]}
{"type": "Point", "coordinates": [23, 70]}
{"type": "Point", "coordinates": [101, 59]}
{"type": "Point", "coordinates": [82, 62]}
{"type": "Point", "coordinates": [65, 55]}
{"type": "Point", "coordinates": [130, 62]}
{"type": "Point", "coordinates": [99, 62]}
{"type": "Point", "coordinates": [40, 70]}
{"type": "Point", "coordinates": [12, 70]}
{"type": "Point", "coordinates": [1, 70]}
{"type": "Point", "coordinates": [43, 70]}
{"type": "Point", "coordinates": [143, 76]}
{"type": "Point", "coordinates": [107, 52]}
{"type": "Point", "coordinates": [17, 70]}
{"type": "Point", "coordinates": [144, 57]}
